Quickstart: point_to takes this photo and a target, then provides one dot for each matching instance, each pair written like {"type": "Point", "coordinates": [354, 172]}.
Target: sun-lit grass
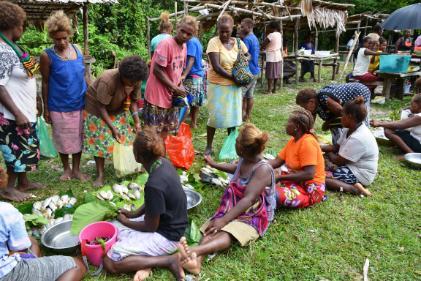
{"type": "Point", "coordinates": [327, 242]}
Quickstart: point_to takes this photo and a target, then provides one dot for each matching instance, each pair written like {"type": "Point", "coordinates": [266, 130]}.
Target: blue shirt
{"type": "Point", "coordinates": [308, 46]}
{"type": "Point", "coordinates": [253, 46]}
{"type": "Point", "coordinates": [155, 41]}
{"type": "Point", "coordinates": [13, 237]}
{"type": "Point", "coordinates": [66, 82]}
{"type": "Point", "coordinates": [195, 49]}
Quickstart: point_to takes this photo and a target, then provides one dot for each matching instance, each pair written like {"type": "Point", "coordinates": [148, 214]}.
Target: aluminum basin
{"type": "Point", "coordinates": [59, 239]}
{"type": "Point", "coordinates": [193, 198]}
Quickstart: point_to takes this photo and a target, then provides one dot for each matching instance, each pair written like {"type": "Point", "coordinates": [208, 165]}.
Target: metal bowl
{"type": "Point", "coordinates": [59, 239]}
{"type": "Point", "coordinates": [193, 198]}
{"type": "Point", "coordinates": [414, 159]}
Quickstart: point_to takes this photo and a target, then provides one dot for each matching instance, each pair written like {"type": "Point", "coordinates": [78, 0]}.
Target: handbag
{"type": "Point", "coordinates": [240, 70]}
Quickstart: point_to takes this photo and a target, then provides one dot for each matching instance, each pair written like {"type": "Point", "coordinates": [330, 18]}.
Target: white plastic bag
{"type": "Point", "coordinates": [124, 161]}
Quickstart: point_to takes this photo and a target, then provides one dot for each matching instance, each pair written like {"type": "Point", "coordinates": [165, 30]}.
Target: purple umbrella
{"type": "Point", "coordinates": [408, 17]}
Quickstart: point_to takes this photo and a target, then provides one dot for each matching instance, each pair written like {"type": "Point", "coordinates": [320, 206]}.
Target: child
{"type": "Point", "coordinates": [378, 47]}
{"type": "Point", "coordinates": [356, 154]}
{"type": "Point", "coordinates": [363, 61]}
{"type": "Point", "coordinates": [406, 133]}
{"type": "Point", "coordinates": [18, 254]}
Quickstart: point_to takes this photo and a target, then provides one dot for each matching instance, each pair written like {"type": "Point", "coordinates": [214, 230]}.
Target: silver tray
{"type": "Point", "coordinates": [414, 159]}
{"type": "Point", "coordinates": [58, 238]}
{"type": "Point", "coordinates": [193, 198]}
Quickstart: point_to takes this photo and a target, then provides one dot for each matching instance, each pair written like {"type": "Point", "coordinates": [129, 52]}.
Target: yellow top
{"type": "Point", "coordinates": [226, 59]}
{"type": "Point", "coordinates": [374, 63]}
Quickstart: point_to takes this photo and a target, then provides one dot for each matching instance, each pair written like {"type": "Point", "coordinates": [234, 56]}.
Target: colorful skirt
{"type": "Point", "coordinates": [195, 87]}
{"type": "Point", "coordinates": [67, 131]}
{"type": "Point", "coordinates": [20, 147]}
{"type": "Point", "coordinates": [98, 138]}
{"type": "Point", "coordinates": [293, 195]}
{"type": "Point", "coordinates": [224, 106]}
{"type": "Point", "coordinates": [160, 118]}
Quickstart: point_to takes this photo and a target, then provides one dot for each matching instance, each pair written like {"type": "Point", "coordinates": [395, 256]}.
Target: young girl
{"type": "Point", "coordinates": [302, 176]}
{"type": "Point", "coordinates": [147, 236]}
{"type": "Point", "coordinates": [405, 133]}
{"type": "Point", "coordinates": [356, 154]}
{"type": "Point", "coordinates": [247, 206]}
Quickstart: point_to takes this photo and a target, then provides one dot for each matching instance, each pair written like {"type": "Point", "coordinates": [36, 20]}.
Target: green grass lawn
{"type": "Point", "coordinates": [327, 242]}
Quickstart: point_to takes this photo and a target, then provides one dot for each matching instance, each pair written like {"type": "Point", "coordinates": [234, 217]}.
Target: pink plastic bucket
{"type": "Point", "coordinates": [95, 253]}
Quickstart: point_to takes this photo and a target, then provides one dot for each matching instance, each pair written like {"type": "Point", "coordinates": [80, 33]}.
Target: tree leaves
{"type": "Point", "coordinates": [91, 212]}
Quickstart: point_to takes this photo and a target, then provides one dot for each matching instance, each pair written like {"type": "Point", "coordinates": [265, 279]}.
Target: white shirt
{"type": "Point", "coordinates": [362, 63]}
{"type": "Point", "coordinates": [274, 48]}
{"type": "Point", "coordinates": [361, 149]}
{"type": "Point", "coordinates": [22, 89]}
{"type": "Point", "coordinates": [415, 132]}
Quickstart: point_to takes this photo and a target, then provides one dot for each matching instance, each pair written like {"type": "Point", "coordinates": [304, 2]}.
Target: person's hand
{"type": "Point", "coordinates": [209, 160]}
{"type": "Point", "coordinates": [116, 134]}
{"type": "Point", "coordinates": [125, 212]}
{"type": "Point", "coordinates": [215, 226]}
{"type": "Point", "coordinates": [47, 117]}
{"type": "Point", "coordinates": [22, 121]}
{"type": "Point", "coordinates": [122, 218]}
{"type": "Point", "coordinates": [137, 127]}
{"type": "Point", "coordinates": [183, 77]}
{"type": "Point", "coordinates": [374, 123]}
{"type": "Point", "coordinates": [179, 91]}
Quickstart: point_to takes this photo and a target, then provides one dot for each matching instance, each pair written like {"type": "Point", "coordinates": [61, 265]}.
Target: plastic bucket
{"type": "Point", "coordinates": [102, 229]}
{"type": "Point", "coordinates": [394, 63]}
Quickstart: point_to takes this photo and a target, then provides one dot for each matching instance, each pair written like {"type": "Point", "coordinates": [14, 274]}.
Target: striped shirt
{"type": "Point", "coordinates": [13, 237]}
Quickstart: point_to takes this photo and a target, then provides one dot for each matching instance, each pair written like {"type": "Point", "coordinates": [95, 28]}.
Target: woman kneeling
{"type": "Point", "coordinates": [147, 236]}
{"type": "Point", "coordinates": [247, 206]}
{"type": "Point", "coordinates": [356, 154]}
{"type": "Point", "coordinates": [301, 175]}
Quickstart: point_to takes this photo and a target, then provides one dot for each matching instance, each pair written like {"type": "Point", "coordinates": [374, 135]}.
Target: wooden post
{"type": "Point", "coordinates": [85, 30]}
{"type": "Point", "coordinates": [282, 54]}
{"type": "Point", "coordinates": [186, 8]}
{"type": "Point", "coordinates": [149, 38]}
{"type": "Point", "coordinates": [337, 40]}
{"type": "Point", "coordinates": [316, 39]}
{"type": "Point", "coordinates": [296, 27]}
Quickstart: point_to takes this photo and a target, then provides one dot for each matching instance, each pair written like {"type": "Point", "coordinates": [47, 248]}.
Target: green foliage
{"type": "Point", "coordinates": [91, 212]}
{"type": "Point", "coordinates": [34, 220]}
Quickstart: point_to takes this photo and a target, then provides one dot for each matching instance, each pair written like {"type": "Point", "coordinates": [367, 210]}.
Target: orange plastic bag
{"type": "Point", "coordinates": [180, 148]}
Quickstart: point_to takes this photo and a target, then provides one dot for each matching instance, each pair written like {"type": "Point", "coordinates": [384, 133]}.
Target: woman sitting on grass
{"type": "Point", "coordinates": [247, 206]}
{"type": "Point", "coordinates": [302, 173]}
{"type": "Point", "coordinates": [356, 154]}
{"type": "Point", "coordinates": [405, 133]}
{"type": "Point", "coordinates": [147, 236]}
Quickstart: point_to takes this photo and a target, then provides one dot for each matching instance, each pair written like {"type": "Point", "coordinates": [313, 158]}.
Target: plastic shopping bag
{"type": "Point", "coordinates": [180, 148]}
{"type": "Point", "coordinates": [228, 151]}
{"type": "Point", "coordinates": [46, 145]}
{"type": "Point", "coordinates": [124, 161]}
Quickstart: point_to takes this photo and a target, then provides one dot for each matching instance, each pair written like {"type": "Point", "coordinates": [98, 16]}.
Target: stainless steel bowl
{"type": "Point", "coordinates": [59, 239]}
{"type": "Point", "coordinates": [193, 198]}
{"type": "Point", "coordinates": [413, 159]}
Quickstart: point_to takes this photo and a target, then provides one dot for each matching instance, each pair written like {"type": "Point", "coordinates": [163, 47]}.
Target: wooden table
{"type": "Point", "coordinates": [399, 77]}
{"type": "Point", "coordinates": [320, 61]}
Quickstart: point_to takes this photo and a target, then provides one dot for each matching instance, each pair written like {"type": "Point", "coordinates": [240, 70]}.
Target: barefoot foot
{"type": "Point", "coordinates": [67, 175]}
{"type": "Point", "coordinates": [80, 176]}
{"type": "Point", "coordinates": [175, 266]}
{"type": "Point", "coordinates": [99, 181]}
{"type": "Point", "coordinates": [30, 186]}
{"type": "Point", "coordinates": [15, 195]}
{"type": "Point", "coordinates": [192, 264]}
{"type": "Point", "coordinates": [362, 189]}
{"type": "Point", "coordinates": [142, 275]}
{"type": "Point", "coordinates": [208, 151]}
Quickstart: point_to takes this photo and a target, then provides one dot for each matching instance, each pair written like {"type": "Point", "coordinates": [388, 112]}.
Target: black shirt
{"type": "Point", "coordinates": [164, 196]}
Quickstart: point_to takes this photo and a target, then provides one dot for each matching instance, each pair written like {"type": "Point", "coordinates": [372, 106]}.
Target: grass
{"type": "Point", "coordinates": [327, 242]}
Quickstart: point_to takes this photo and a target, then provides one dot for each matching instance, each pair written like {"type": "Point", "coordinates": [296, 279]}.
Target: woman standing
{"type": "Point", "coordinates": [164, 83]}
{"type": "Point", "coordinates": [193, 77]}
{"type": "Point", "coordinates": [18, 112]}
{"type": "Point", "coordinates": [108, 102]}
{"type": "Point", "coordinates": [273, 46]}
{"type": "Point", "coordinates": [63, 91]}
{"type": "Point", "coordinates": [224, 96]}
{"type": "Point", "coordinates": [302, 175]}
{"type": "Point", "coordinates": [165, 30]}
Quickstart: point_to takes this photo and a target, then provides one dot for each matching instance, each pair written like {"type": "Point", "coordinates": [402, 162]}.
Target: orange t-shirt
{"type": "Point", "coordinates": [305, 152]}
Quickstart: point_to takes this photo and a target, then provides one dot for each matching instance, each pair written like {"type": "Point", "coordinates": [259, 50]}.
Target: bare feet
{"type": "Point", "coordinates": [208, 151]}
{"type": "Point", "coordinates": [67, 175]}
{"type": "Point", "coordinates": [99, 181]}
{"type": "Point", "coordinates": [30, 186]}
{"type": "Point", "coordinates": [13, 194]}
{"type": "Point", "coordinates": [80, 176]}
{"type": "Point", "coordinates": [141, 275]}
{"type": "Point", "coordinates": [362, 189]}
{"type": "Point", "coordinates": [189, 260]}
{"type": "Point", "coordinates": [175, 267]}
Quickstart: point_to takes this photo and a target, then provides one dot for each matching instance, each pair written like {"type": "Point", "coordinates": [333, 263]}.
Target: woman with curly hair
{"type": "Point", "coordinates": [63, 91]}
{"type": "Point", "coordinates": [301, 177]}
{"type": "Point", "coordinates": [109, 101]}
{"type": "Point", "coordinates": [18, 112]}
{"type": "Point", "coordinates": [164, 86]}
